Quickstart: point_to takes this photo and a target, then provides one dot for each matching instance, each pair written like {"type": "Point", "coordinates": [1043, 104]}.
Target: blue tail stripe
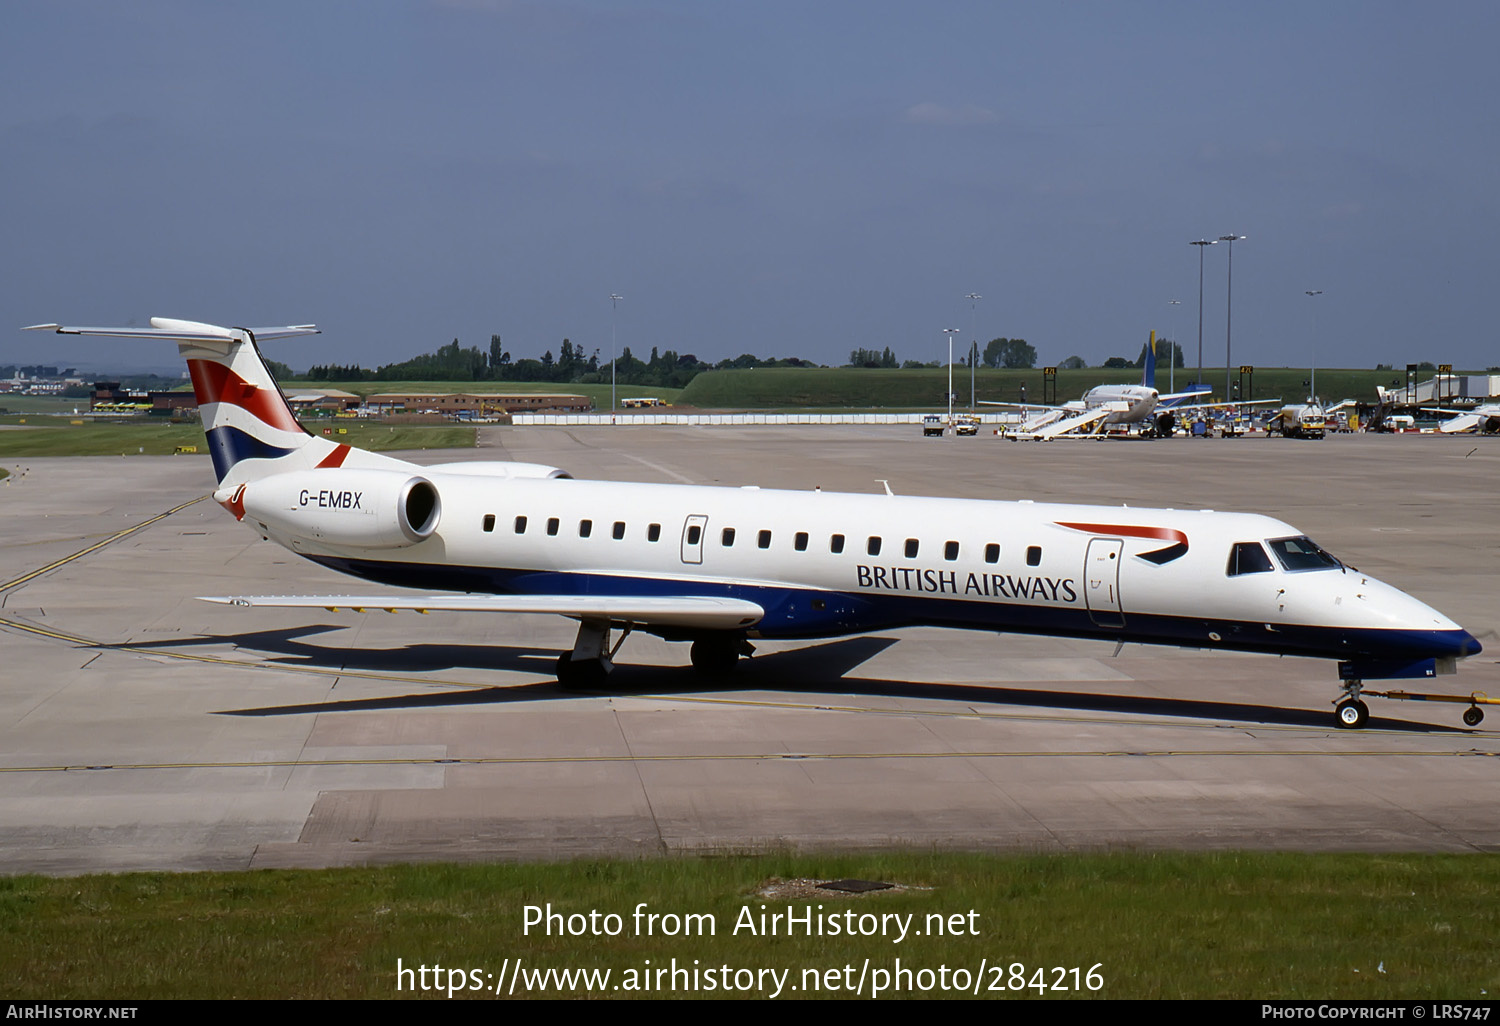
{"type": "Point", "coordinates": [228, 445]}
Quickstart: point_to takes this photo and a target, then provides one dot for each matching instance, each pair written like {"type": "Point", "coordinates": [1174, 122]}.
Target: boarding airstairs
{"type": "Point", "coordinates": [1058, 423]}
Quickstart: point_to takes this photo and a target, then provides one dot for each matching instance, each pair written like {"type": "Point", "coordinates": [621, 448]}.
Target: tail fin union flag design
{"type": "Point", "coordinates": [216, 384]}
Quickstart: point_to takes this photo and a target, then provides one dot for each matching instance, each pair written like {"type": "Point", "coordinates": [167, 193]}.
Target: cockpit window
{"type": "Point", "coordinates": [1302, 553]}
{"type": "Point", "coordinates": [1248, 558]}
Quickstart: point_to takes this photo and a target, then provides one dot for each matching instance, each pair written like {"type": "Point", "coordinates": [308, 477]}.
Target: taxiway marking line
{"type": "Point", "coordinates": [743, 757]}
{"type": "Point", "coordinates": [98, 545]}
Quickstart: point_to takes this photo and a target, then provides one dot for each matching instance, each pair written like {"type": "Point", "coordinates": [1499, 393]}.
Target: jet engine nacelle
{"type": "Point", "coordinates": [499, 469]}
{"type": "Point", "coordinates": [373, 509]}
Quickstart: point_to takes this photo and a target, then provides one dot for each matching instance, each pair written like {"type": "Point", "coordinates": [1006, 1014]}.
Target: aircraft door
{"type": "Point", "coordinates": [692, 538]}
{"type": "Point", "coordinates": [1101, 574]}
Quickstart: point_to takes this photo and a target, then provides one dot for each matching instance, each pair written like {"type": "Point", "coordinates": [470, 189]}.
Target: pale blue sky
{"type": "Point", "coordinates": [776, 178]}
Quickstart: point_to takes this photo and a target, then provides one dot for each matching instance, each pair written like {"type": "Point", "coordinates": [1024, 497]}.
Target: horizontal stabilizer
{"type": "Point", "coordinates": [181, 331]}
{"type": "Point", "coordinates": [687, 611]}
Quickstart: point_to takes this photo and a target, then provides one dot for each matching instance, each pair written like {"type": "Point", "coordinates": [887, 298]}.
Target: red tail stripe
{"type": "Point", "coordinates": [335, 458]}
{"type": "Point", "coordinates": [1130, 531]}
{"type": "Point", "coordinates": [216, 383]}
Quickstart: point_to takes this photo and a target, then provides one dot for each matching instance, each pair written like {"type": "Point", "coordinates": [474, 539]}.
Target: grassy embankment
{"type": "Point", "coordinates": [598, 394]}
{"type": "Point", "coordinates": [1155, 926]}
{"type": "Point", "coordinates": [845, 387]}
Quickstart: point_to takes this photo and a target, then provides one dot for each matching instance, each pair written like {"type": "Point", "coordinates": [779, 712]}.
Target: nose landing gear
{"type": "Point", "coordinates": [1351, 713]}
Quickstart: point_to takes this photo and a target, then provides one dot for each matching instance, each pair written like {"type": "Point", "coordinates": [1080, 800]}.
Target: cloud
{"type": "Point", "coordinates": [938, 114]}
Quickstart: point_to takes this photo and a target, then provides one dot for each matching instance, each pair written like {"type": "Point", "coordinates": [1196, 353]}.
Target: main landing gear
{"type": "Point", "coordinates": [714, 655]}
{"type": "Point", "coordinates": [587, 666]}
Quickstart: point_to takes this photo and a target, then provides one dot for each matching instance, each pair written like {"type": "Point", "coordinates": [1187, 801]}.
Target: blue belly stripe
{"type": "Point", "coordinates": [796, 613]}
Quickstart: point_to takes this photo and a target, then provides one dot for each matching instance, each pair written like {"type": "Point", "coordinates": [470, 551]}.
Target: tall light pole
{"type": "Point", "coordinates": [1229, 311]}
{"type": "Point", "coordinates": [1313, 350]}
{"type": "Point", "coordinates": [1172, 359]}
{"type": "Point", "coordinates": [1201, 243]}
{"type": "Point", "coordinates": [614, 324]}
{"type": "Point", "coordinates": [950, 332]}
{"type": "Point", "coordinates": [972, 297]}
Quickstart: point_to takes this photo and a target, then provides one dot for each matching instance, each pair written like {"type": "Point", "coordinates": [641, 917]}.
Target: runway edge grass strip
{"type": "Point", "coordinates": [1226, 925]}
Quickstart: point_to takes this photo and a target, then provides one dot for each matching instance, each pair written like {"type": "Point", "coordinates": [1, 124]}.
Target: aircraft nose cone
{"type": "Point", "coordinates": [1465, 644]}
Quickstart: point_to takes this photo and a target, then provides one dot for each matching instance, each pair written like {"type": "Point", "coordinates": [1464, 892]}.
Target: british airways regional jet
{"type": "Point", "coordinates": [719, 566]}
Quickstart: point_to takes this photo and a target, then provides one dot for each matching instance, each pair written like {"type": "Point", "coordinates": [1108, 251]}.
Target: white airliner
{"type": "Point", "coordinates": [718, 566]}
{"type": "Point", "coordinates": [1483, 419]}
{"type": "Point", "coordinates": [1103, 405]}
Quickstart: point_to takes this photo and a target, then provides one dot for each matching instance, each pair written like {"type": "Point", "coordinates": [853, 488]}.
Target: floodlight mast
{"type": "Point", "coordinates": [950, 332]}
{"type": "Point", "coordinates": [1172, 356]}
{"type": "Point", "coordinates": [1229, 310]}
{"type": "Point", "coordinates": [1201, 243]}
{"type": "Point", "coordinates": [1312, 381]}
{"type": "Point", "coordinates": [972, 297]}
{"type": "Point", "coordinates": [614, 323]}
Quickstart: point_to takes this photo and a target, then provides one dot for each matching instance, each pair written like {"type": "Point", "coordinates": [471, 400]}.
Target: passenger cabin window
{"type": "Point", "coordinates": [1248, 558]}
{"type": "Point", "coordinates": [764, 541]}
{"type": "Point", "coordinates": [799, 541]}
{"type": "Point", "coordinates": [520, 525]}
{"type": "Point", "coordinates": [950, 551]}
{"type": "Point", "coordinates": [836, 544]}
{"type": "Point", "coordinates": [727, 538]}
{"type": "Point", "coordinates": [653, 533]}
{"type": "Point", "coordinates": [585, 528]}
{"type": "Point", "coordinates": [1302, 553]}
{"type": "Point", "coordinates": [911, 548]}
{"type": "Point", "coordinates": [489, 522]}
{"type": "Point", "coordinates": [694, 533]}
{"type": "Point", "coordinates": [1033, 555]}
{"type": "Point", "coordinates": [873, 545]}
{"type": "Point", "coordinates": [552, 525]}
{"type": "Point", "coordinates": [992, 553]}
{"type": "Point", "coordinates": [619, 529]}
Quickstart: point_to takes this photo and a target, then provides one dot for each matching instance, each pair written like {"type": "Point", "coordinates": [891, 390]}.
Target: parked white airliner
{"type": "Point", "coordinates": [1142, 405]}
{"type": "Point", "coordinates": [718, 566]}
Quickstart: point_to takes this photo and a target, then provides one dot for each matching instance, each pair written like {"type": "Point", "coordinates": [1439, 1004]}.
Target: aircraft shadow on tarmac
{"type": "Point", "coordinates": [819, 669]}
{"type": "Point", "coordinates": [289, 649]}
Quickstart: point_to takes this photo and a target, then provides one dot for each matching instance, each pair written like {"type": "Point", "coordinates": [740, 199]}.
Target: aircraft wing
{"type": "Point", "coordinates": [1223, 403]}
{"type": "Point", "coordinates": [706, 612]}
{"type": "Point", "coordinates": [1020, 406]}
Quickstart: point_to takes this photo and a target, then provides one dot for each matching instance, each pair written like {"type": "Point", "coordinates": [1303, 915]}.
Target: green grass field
{"type": "Point", "coordinates": [41, 404]}
{"type": "Point", "coordinates": [794, 388]}
{"type": "Point", "coordinates": [1150, 926]}
{"type": "Point", "coordinates": [599, 394]}
{"type": "Point", "coordinates": [52, 436]}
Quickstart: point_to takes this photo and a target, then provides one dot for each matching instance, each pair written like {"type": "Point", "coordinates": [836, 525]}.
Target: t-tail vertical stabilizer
{"type": "Point", "coordinates": [1149, 378]}
{"type": "Point", "coordinates": [251, 431]}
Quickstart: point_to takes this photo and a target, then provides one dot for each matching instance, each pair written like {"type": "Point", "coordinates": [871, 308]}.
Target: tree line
{"type": "Point", "coordinates": [668, 368]}
{"type": "Point", "coordinates": [1013, 354]}
{"type": "Point", "coordinates": [571, 365]}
